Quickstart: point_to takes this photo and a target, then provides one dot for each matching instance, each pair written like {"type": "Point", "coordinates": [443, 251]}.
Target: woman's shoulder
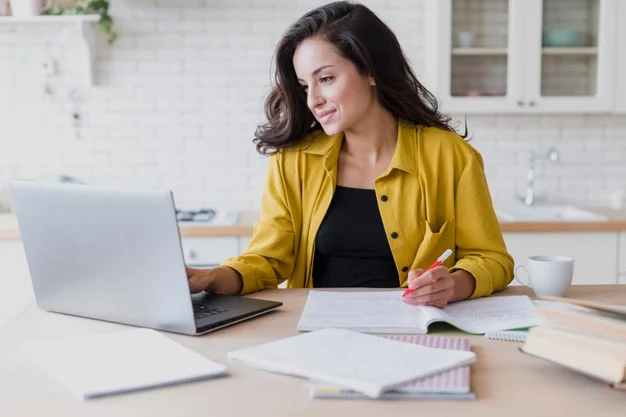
{"type": "Point", "coordinates": [316, 142]}
{"type": "Point", "coordinates": [446, 143]}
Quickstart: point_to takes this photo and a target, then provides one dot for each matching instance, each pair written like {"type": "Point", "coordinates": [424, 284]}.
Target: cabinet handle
{"type": "Point", "coordinates": [191, 254]}
{"type": "Point", "coordinates": [532, 103]}
{"type": "Point", "coordinates": [520, 103]}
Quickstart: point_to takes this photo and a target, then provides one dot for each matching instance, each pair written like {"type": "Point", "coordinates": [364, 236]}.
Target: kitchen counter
{"type": "Point", "coordinates": [617, 222]}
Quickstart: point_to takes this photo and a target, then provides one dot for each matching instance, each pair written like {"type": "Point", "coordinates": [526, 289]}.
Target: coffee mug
{"type": "Point", "coordinates": [29, 8]}
{"type": "Point", "coordinates": [548, 275]}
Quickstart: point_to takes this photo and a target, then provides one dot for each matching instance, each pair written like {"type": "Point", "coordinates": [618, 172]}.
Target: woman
{"type": "Point", "coordinates": [367, 182]}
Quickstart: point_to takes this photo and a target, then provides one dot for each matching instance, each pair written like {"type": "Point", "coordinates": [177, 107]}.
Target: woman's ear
{"type": "Point", "coordinates": [372, 82]}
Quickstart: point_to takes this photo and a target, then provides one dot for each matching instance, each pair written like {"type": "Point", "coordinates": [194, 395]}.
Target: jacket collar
{"type": "Point", "coordinates": [404, 156]}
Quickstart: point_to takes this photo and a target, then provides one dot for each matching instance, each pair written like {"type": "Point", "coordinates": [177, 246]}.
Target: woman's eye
{"type": "Point", "coordinates": [326, 79]}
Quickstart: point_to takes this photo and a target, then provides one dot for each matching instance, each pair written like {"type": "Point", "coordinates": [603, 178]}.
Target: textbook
{"type": "Point", "coordinates": [384, 312]}
{"type": "Point", "coordinates": [453, 384]}
{"type": "Point", "coordinates": [364, 363]}
{"type": "Point", "coordinates": [603, 359]}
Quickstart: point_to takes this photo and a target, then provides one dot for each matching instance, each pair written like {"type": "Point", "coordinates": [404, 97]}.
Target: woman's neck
{"type": "Point", "coordinates": [374, 137]}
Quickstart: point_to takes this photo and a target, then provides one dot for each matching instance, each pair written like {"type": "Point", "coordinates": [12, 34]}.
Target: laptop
{"type": "Point", "coordinates": [114, 254]}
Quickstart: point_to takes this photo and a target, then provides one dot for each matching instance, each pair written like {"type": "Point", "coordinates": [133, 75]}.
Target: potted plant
{"type": "Point", "coordinates": [80, 7]}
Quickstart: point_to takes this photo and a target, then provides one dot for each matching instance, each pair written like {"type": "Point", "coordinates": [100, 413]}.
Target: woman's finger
{"type": "Point", "coordinates": [438, 299]}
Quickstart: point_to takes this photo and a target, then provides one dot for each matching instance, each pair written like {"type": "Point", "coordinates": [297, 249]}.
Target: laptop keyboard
{"type": "Point", "coordinates": [201, 311]}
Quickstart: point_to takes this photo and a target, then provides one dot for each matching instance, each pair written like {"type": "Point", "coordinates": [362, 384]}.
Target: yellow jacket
{"type": "Point", "coordinates": [433, 196]}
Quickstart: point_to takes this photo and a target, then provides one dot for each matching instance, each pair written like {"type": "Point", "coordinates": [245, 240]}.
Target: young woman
{"type": "Point", "coordinates": [367, 183]}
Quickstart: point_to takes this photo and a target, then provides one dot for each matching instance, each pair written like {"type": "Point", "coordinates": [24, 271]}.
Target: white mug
{"type": "Point", "coordinates": [548, 275]}
{"type": "Point", "coordinates": [29, 8]}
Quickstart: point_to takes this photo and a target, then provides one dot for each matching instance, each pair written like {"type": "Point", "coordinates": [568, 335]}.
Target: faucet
{"type": "Point", "coordinates": [529, 196]}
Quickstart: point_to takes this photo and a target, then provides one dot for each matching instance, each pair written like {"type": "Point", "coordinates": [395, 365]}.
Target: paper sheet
{"type": "Point", "coordinates": [104, 364]}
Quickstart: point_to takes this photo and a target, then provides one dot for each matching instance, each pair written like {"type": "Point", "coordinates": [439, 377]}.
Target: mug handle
{"type": "Point", "coordinates": [49, 4]}
{"type": "Point", "coordinates": [517, 277]}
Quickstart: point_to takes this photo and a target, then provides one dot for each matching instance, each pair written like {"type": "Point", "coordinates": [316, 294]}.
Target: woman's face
{"type": "Point", "coordinates": [337, 94]}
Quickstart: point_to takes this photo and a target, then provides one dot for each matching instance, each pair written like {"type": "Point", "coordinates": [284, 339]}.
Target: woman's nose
{"type": "Point", "coordinates": [314, 99]}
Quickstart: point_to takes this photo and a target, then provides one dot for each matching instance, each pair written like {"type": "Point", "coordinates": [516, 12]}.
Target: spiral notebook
{"type": "Point", "coordinates": [367, 364]}
{"type": "Point", "coordinates": [508, 335]}
{"type": "Point", "coordinates": [452, 384]}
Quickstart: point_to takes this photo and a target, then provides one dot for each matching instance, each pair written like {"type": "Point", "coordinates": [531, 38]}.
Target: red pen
{"type": "Point", "coordinates": [438, 262]}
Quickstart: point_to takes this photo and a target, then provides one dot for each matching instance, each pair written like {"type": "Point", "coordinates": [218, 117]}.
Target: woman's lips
{"type": "Point", "coordinates": [325, 117]}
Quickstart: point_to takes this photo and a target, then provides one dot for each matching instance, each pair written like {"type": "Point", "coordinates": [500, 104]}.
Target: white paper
{"type": "Point", "coordinates": [104, 364]}
{"type": "Point", "coordinates": [365, 363]}
{"type": "Point", "coordinates": [384, 312]}
{"type": "Point", "coordinates": [492, 313]}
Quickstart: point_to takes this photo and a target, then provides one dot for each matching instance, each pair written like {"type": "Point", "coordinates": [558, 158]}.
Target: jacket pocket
{"type": "Point", "coordinates": [434, 243]}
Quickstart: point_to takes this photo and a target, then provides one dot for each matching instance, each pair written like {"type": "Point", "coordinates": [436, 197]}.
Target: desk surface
{"type": "Point", "coordinates": [507, 382]}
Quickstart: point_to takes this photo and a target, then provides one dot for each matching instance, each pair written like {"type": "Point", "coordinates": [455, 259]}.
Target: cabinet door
{"type": "Point", "coordinates": [209, 251]}
{"type": "Point", "coordinates": [15, 287]}
{"type": "Point", "coordinates": [620, 76]}
{"type": "Point", "coordinates": [570, 55]}
{"type": "Point", "coordinates": [474, 54]}
{"type": "Point", "coordinates": [595, 254]}
{"type": "Point", "coordinates": [621, 254]}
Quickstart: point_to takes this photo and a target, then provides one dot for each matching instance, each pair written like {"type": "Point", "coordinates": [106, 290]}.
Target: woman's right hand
{"type": "Point", "coordinates": [218, 280]}
{"type": "Point", "coordinates": [199, 279]}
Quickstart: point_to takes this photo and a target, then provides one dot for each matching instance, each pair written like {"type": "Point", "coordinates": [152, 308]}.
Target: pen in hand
{"type": "Point", "coordinates": [438, 262]}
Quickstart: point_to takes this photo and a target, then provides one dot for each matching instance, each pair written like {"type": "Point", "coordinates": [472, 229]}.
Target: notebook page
{"type": "Point", "coordinates": [362, 362]}
{"type": "Point", "coordinates": [492, 313]}
{"type": "Point", "coordinates": [110, 363]}
{"type": "Point", "coordinates": [372, 312]}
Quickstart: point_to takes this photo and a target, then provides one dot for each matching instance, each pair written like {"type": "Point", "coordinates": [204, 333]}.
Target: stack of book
{"type": "Point", "coordinates": [587, 337]}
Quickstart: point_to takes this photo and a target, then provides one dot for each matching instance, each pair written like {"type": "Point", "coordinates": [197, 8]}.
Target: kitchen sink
{"type": "Point", "coordinates": [547, 213]}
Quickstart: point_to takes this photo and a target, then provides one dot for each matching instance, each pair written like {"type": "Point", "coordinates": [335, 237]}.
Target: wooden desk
{"type": "Point", "coordinates": [508, 383]}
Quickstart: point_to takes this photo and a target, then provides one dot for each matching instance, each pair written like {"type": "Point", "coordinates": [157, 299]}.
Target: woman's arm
{"type": "Point", "coordinates": [269, 258]}
{"type": "Point", "coordinates": [481, 252]}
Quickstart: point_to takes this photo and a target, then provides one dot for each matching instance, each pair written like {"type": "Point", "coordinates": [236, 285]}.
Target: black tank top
{"type": "Point", "coordinates": [351, 247]}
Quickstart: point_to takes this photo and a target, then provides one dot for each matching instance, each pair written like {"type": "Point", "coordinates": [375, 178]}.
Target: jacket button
{"type": "Point", "coordinates": [383, 198]}
{"type": "Point", "coordinates": [394, 235]}
{"type": "Point", "coordinates": [405, 269]}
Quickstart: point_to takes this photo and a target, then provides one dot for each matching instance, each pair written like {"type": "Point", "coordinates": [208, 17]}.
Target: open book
{"type": "Point", "coordinates": [384, 312]}
{"type": "Point", "coordinates": [364, 363]}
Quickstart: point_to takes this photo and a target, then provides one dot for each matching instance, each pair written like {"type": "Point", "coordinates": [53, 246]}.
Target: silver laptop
{"type": "Point", "coordinates": [114, 254]}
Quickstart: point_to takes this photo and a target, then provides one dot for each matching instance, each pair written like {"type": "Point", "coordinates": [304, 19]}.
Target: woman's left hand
{"type": "Point", "coordinates": [430, 288]}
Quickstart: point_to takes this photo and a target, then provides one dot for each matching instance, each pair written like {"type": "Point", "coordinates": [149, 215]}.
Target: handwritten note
{"type": "Point", "coordinates": [384, 312]}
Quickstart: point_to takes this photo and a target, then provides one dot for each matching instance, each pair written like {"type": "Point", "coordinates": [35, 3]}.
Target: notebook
{"type": "Point", "coordinates": [130, 360]}
{"type": "Point", "coordinates": [384, 312]}
{"type": "Point", "coordinates": [508, 335]}
{"type": "Point", "coordinates": [453, 384]}
{"type": "Point", "coordinates": [364, 363]}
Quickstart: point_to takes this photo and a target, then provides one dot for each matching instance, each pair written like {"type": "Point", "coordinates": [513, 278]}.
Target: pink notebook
{"type": "Point", "coordinates": [451, 384]}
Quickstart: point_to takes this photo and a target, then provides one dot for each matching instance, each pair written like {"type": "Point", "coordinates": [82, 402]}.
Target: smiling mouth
{"type": "Point", "coordinates": [325, 117]}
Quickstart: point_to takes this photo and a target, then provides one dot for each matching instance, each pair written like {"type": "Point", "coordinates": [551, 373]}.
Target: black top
{"type": "Point", "coordinates": [351, 247]}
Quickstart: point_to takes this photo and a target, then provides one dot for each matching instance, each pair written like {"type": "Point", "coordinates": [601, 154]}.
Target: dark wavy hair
{"type": "Point", "coordinates": [360, 36]}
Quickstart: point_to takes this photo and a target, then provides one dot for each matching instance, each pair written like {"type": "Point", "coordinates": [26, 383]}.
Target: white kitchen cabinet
{"type": "Point", "coordinates": [244, 241]}
{"type": "Point", "coordinates": [209, 251]}
{"type": "Point", "coordinates": [620, 88]}
{"type": "Point", "coordinates": [15, 287]}
{"type": "Point", "coordinates": [501, 56]}
{"type": "Point", "coordinates": [621, 253]}
{"type": "Point", "coordinates": [594, 253]}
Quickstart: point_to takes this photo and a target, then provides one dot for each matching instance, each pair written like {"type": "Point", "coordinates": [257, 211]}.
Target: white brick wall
{"type": "Point", "coordinates": [179, 95]}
